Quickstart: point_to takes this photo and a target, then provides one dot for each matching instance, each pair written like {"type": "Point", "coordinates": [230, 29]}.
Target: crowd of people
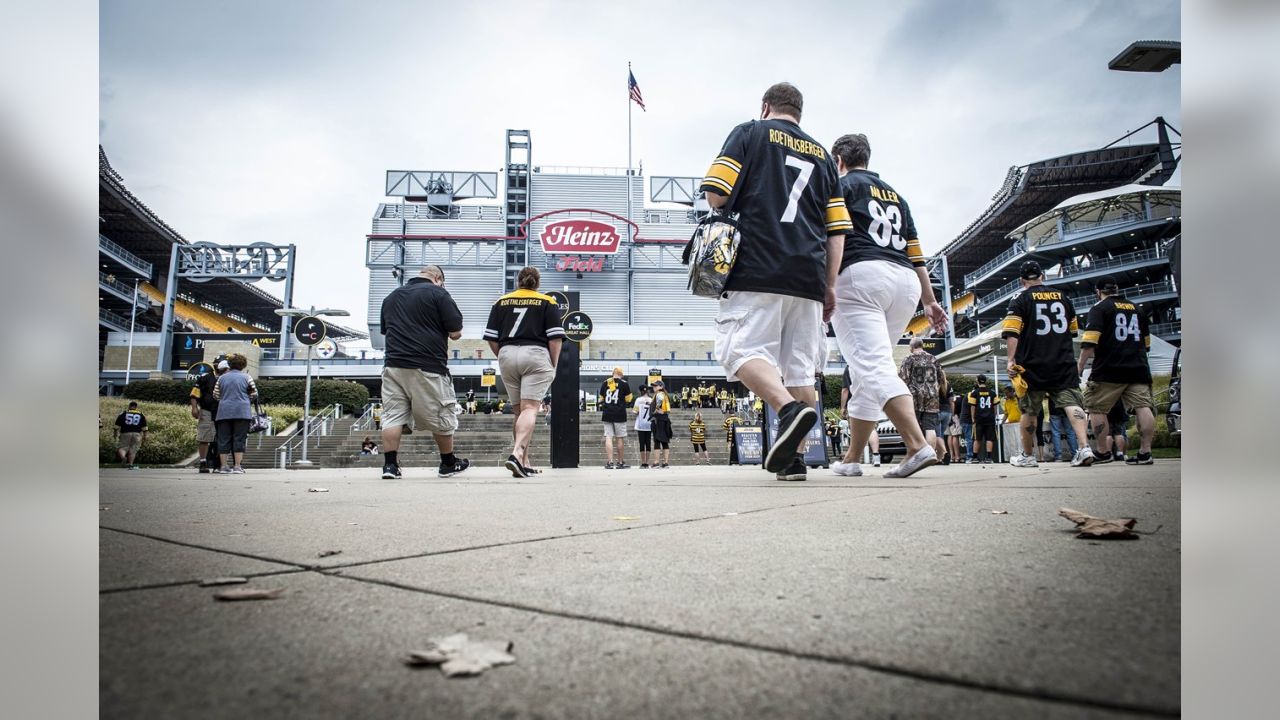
{"type": "Point", "coordinates": [826, 242]}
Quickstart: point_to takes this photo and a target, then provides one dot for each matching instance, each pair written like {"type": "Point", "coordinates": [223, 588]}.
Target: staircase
{"type": "Point", "coordinates": [486, 441]}
{"type": "Point", "coordinates": [324, 450]}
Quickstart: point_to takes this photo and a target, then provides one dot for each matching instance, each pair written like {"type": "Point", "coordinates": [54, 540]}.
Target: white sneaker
{"type": "Point", "coordinates": [1084, 458]}
{"type": "Point", "coordinates": [923, 458]}
{"type": "Point", "coordinates": [875, 459]}
{"type": "Point", "coordinates": [1024, 461]}
{"type": "Point", "coordinates": [845, 469]}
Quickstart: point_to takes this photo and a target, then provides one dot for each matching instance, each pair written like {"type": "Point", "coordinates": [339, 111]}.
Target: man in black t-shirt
{"type": "Point", "coordinates": [1039, 327]}
{"type": "Point", "coordinates": [783, 186]}
{"type": "Point", "coordinates": [1117, 338]}
{"type": "Point", "coordinates": [419, 319]}
{"type": "Point", "coordinates": [131, 430]}
{"type": "Point", "coordinates": [614, 398]}
{"type": "Point", "coordinates": [982, 415]}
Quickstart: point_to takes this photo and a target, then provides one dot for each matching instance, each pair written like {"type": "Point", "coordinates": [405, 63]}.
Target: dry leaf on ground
{"type": "Point", "coordinates": [223, 581]}
{"type": "Point", "coordinates": [999, 512]}
{"type": "Point", "coordinates": [459, 656]}
{"type": "Point", "coordinates": [317, 490]}
{"type": "Point", "coordinates": [1101, 528]}
{"type": "Point", "coordinates": [249, 594]}
{"type": "Point", "coordinates": [328, 553]}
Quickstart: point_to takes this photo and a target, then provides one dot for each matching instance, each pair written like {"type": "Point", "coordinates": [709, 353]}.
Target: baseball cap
{"type": "Point", "coordinates": [224, 365]}
{"type": "Point", "coordinates": [1106, 282]}
{"type": "Point", "coordinates": [1030, 270]}
{"type": "Point", "coordinates": [658, 383]}
{"type": "Point", "coordinates": [982, 379]}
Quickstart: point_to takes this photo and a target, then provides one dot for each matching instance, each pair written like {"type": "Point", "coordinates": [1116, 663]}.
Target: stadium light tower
{"type": "Point", "coordinates": [306, 403]}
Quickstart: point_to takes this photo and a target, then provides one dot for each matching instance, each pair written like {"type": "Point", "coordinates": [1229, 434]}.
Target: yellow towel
{"type": "Point", "coordinates": [1019, 383]}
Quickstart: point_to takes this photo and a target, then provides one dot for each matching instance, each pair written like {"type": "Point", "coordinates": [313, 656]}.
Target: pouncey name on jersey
{"type": "Point", "coordinates": [785, 189]}
{"type": "Point", "coordinates": [614, 396]}
{"type": "Point", "coordinates": [1044, 322]}
{"type": "Point", "coordinates": [1121, 335]}
{"type": "Point", "coordinates": [882, 225]}
{"type": "Point", "coordinates": [524, 317]}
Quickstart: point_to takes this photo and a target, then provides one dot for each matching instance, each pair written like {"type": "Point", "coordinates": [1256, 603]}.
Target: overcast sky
{"type": "Point", "coordinates": [275, 121]}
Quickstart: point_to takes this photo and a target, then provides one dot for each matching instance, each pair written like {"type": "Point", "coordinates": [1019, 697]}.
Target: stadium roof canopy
{"type": "Point", "coordinates": [127, 221]}
{"type": "Point", "coordinates": [1031, 190]}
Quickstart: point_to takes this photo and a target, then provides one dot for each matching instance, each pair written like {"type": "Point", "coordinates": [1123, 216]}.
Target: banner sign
{"type": "Point", "coordinates": [750, 444]}
{"type": "Point", "coordinates": [188, 348]}
{"type": "Point", "coordinates": [488, 377]}
{"type": "Point", "coordinates": [655, 374]}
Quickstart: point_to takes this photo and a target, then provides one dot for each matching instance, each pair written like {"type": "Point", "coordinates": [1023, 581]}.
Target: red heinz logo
{"type": "Point", "coordinates": [579, 236]}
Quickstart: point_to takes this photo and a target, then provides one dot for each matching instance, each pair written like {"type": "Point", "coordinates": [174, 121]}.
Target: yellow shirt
{"type": "Point", "coordinates": [1011, 412]}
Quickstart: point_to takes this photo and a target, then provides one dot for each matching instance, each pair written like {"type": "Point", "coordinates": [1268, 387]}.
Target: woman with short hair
{"type": "Point", "coordinates": [234, 392]}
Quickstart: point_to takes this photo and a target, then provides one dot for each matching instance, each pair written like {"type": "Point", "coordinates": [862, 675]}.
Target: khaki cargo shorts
{"type": "Point", "coordinates": [420, 399]}
{"type": "Point", "coordinates": [1033, 402]}
{"type": "Point", "coordinates": [1101, 396]}
{"type": "Point", "coordinates": [206, 431]}
{"type": "Point", "coordinates": [526, 371]}
{"type": "Point", "coordinates": [129, 442]}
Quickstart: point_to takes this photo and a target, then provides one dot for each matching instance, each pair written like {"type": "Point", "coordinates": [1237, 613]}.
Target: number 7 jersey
{"type": "Point", "coordinates": [1044, 322]}
{"type": "Point", "coordinates": [882, 224]}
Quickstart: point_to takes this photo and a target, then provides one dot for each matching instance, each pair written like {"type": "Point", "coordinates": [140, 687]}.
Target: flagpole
{"type": "Point", "coordinates": [630, 246]}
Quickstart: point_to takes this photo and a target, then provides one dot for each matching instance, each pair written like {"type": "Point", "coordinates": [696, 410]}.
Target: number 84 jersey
{"type": "Point", "coordinates": [1044, 322]}
{"type": "Point", "coordinates": [882, 224]}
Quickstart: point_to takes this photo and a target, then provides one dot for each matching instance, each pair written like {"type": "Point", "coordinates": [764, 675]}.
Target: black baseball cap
{"type": "Point", "coordinates": [982, 379]}
{"type": "Point", "coordinates": [1106, 283]}
{"type": "Point", "coordinates": [1030, 270]}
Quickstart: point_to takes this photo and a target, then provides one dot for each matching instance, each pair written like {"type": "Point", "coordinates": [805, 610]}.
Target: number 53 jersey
{"type": "Point", "coordinates": [784, 187]}
{"type": "Point", "coordinates": [1044, 322]}
{"type": "Point", "coordinates": [882, 224]}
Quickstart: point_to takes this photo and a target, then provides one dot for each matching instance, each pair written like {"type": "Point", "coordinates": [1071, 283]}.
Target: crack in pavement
{"type": "Point", "coordinates": [1041, 694]}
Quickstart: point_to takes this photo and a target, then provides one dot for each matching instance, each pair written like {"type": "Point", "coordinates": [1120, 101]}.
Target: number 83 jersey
{"type": "Point", "coordinates": [1044, 322]}
{"type": "Point", "coordinates": [882, 224]}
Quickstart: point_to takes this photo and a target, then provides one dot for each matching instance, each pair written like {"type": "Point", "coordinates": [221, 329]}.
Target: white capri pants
{"type": "Point", "coordinates": [874, 302]}
{"type": "Point", "coordinates": [782, 330]}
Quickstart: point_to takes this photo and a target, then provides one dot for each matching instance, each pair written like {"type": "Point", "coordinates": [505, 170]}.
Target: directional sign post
{"type": "Point", "coordinates": [308, 330]}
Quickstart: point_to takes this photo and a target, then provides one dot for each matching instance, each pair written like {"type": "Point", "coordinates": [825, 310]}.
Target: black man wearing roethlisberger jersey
{"type": "Point", "coordinates": [784, 187]}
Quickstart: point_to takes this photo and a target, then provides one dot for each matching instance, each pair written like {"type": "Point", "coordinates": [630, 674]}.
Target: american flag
{"type": "Point", "coordinates": [635, 90]}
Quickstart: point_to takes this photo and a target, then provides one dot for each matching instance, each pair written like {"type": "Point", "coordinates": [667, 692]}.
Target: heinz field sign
{"type": "Point", "coordinates": [579, 236]}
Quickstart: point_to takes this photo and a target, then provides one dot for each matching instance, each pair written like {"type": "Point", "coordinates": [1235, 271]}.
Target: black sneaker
{"type": "Point", "coordinates": [644, 466]}
{"type": "Point", "coordinates": [622, 466]}
{"type": "Point", "coordinates": [454, 469]}
{"type": "Point", "coordinates": [390, 472]}
{"type": "Point", "coordinates": [1140, 459]}
{"type": "Point", "coordinates": [608, 466]}
{"type": "Point", "coordinates": [794, 422]}
{"type": "Point", "coordinates": [1118, 457]}
{"type": "Point", "coordinates": [512, 464]}
{"type": "Point", "coordinates": [1104, 458]}
{"type": "Point", "coordinates": [795, 471]}
{"type": "Point", "coordinates": [665, 465]}
{"type": "Point", "coordinates": [204, 467]}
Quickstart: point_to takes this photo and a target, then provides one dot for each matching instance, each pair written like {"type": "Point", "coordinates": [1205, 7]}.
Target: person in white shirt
{"type": "Point", "coordinates": [644, 424]}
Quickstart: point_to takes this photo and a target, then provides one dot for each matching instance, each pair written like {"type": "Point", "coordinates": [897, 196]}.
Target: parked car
{"type": "Point", "coordinates": [891, 444]}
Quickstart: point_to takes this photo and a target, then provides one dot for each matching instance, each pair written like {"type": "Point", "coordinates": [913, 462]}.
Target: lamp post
{"type": "Point", "coordinates": [309, 336]}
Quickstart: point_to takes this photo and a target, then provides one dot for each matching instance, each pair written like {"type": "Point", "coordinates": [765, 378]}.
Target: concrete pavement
{"type": "Point", "coordinates": [724, 594]}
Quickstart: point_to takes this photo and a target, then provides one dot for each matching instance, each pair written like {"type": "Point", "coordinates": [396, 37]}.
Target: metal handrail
{"type": "Point", "coordinates": [115, 249]}
{"type": "Point", "coordinates": [1168, 328]}
{"type": "Point", "coordinates": [1077, 226]}
{"type": "Point", "coordinates": [1111, 262]}
{"type": "Point", "coordinates": [1129, 293]}
{"type": "Point", "coordinates": [995, 262]}
{"type": "Point", "coordinates": [993, 297]}
{"type": "Point", "coordinates": [317, 426]}
{"type": "Point", "coordinates": [113, 318]}
{"type": "Point", "coordinates": [365, 421]}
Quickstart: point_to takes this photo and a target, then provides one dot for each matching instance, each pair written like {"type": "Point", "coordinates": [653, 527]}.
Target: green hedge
{"type": "Point", "coordinates": [352, 395]}
{"type": "Point", "coordinates": [171, 431]}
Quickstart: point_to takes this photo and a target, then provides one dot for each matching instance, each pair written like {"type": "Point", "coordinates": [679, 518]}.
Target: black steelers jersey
{"type": "Point", "coordinates": [982, 400]}
{"type": "Point", "coordinates": [1120, 333]}
{"type": "Point", "coordinates": [784, 187]}
{"type": "Point", "coordinates": [882, 224]}
{"type": "Point", "coordinates": [524, 317]}
{"type": "Point", "coordinates": [1044, 321]}
{"type": "Point", "coordinates": [615, 398]}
